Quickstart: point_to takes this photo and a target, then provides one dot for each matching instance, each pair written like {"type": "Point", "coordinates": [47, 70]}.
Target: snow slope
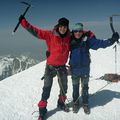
{"type": "Point", "coordinates": [20, 93]}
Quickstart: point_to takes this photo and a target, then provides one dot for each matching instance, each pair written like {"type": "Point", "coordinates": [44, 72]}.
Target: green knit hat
{"type": "Point", "coordinates": [78, 27]}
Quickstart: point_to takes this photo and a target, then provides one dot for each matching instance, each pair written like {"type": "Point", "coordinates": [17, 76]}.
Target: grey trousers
{"type": "Point", "coordinates": [50, 73]}
{"type": "Point", "coordinates": [84, 86]}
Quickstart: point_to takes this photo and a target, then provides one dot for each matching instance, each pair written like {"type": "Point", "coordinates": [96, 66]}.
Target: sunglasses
{"type": "Point", "coordinates": [75, 31]}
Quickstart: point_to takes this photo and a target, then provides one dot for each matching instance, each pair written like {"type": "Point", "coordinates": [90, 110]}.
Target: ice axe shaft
{"type": "Point", "coordinates": [115, 47]}
{"type": "Point", "coordinates": [22, 15]}
{"type": "Point", "coordinates": [111, 24]}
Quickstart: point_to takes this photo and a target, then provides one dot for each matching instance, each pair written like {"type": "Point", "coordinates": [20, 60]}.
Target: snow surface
{"type": "Point", "coordinates": [20, 93]}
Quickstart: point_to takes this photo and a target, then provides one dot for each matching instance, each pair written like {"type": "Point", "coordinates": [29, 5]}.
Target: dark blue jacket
{"type": "Point", "coordinates": [80, 56]}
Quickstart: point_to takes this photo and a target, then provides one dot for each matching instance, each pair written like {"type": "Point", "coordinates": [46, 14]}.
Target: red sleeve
{"type": "Point", "coordinates": [92, 34]}
{"type": "Point", "coordinates": [89, 34]}
{"type": "Point", "coordinates": [39, 33]}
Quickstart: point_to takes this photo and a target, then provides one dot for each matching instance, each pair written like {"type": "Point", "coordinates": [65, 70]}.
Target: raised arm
{"type": "Point", "coordinates": [39, 33]}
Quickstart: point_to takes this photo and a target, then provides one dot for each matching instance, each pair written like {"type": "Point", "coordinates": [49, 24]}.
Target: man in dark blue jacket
{"type": "Point", "coordinates": [81, 42]}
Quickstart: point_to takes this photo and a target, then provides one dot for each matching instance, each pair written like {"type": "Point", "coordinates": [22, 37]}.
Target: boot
{"type": "Point", "coordinates": [61, 103]}
{"type": "Point", "coordinates": [40, 118]}
{"type": "Point", "coordinates": [86, 108]}
{"type": "Point", "coordinates": [76, 107]}
{"type": "Point", "coordinates": [42, 109]}
{"type": "Point", "coordinates": [42, 113]}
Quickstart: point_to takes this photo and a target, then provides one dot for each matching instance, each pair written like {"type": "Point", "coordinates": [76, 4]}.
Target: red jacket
{"type": "Point", "coordinates": [57, 46]}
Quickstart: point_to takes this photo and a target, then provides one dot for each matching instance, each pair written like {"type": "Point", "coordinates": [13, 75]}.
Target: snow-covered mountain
{"type": "Point", "coordinates": [20, 93]}
{"type": "Point", "coordinates": [10, 65]}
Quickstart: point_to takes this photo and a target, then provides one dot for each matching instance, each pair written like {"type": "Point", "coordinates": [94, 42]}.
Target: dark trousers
{"type": "Point", "coordinates": [84, 87]}
{"type": "Point", "coordinates": [50, 72]}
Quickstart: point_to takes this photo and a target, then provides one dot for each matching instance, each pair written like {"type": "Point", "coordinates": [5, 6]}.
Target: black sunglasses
{"type": "Point", "coordinates": [77, 31]}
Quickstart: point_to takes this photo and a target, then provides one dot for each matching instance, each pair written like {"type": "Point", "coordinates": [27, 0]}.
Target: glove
{"type": "Point", "coordinates": [47, 53]}
{"type": "Point", "coordinates": [21, 18]}
{"type": "Point", "coordinates": [88, 33]}
{"type": "Point", "coordinates": [115, 38]}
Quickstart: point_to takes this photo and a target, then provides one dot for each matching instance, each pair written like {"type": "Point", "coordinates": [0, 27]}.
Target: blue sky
{"type": "Point", "coordinates": [48, 11]}
{"type": "Point", "coordinates": [94, 14]}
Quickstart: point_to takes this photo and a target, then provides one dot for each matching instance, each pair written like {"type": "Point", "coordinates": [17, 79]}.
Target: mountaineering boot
{"type": "Point", "coordinates": [42, 109]}
{"type": "Point", "coordinates": [42, 113]}
{"type": "Point", "coordinates": [86, 108]}
{"type": "Point", "coordinates": [40, 118]}
{"type": "Point", "coordinates": [63, 106]}
{"type": "Point", "coordinates": [61, 103]}
{"type": "Point", "coordinates": [76, 107]}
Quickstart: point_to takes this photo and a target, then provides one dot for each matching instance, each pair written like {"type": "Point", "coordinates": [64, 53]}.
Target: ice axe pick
{"type": "Point", "coordinates": [28, 6]}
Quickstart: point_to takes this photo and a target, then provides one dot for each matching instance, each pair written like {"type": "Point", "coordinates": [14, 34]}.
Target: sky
{"type": "Point", "coordinates": [94, 14]}
{"type": "Point", "coordinates": [20, 94]}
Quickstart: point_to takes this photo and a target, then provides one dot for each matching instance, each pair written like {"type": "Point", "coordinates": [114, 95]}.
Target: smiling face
{"type": "Point", "coordinates": [62, 29]}
{"type": "Point", "coordinates": [77, 34]}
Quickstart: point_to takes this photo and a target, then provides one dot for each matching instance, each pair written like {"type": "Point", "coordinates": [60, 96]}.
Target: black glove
{"type": "Point", "coordinates": [21, 18]}
{"type": "Point", "coordinates": [88, 33]}
{"type": "Point", "coordinates": [115, 38]}
{"type": "Point", "coordinates": [47, 53]}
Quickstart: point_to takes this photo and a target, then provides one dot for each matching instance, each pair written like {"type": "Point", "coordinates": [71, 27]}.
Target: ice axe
{"type": "Point", "coordinates": [28, 6]}
{"type": "Point", "coordinates": [111, 23]}
{"type": "Point", "coordinates": [115, 47]}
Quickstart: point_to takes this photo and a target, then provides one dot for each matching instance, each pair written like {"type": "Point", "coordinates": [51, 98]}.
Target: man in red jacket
{"type": "Point", "coordinates": [57, 41]}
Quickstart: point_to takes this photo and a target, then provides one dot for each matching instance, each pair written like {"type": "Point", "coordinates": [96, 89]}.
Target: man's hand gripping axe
{"type": "Point", "coordinates": [28, 6]}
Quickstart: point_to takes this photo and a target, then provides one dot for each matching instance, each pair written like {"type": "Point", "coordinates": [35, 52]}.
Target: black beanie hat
{"type": "Point", "coordinates": [63, 21]}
